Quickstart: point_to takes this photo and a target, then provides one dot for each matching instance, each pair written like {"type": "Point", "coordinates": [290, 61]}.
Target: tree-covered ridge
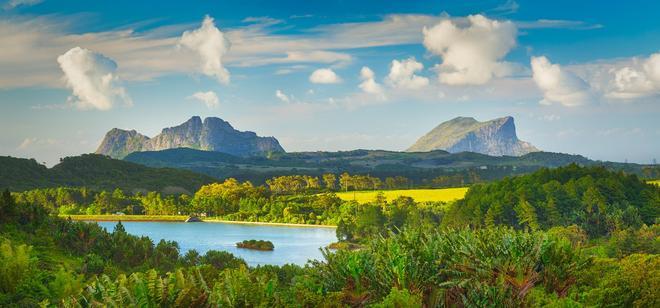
{"type": "Point", "coordinates": [427, 169]}
{"type": "Point", "coordinates": [97, 172]}
{"type": "Point", "coordinates": [597, 200]}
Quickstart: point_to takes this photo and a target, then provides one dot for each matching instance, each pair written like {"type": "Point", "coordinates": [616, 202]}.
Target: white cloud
{"type": "Point", "coordinates": [472, 53]}
{"type": "Point", "coordinates": [92, 78]}
{"type": "Point", "coordinates": [640, 78]}
{"type": "Point", "coordinates": [550, 117]}
{"type": "Point", "coordinates": [559, 85]}
{"type": "Point", "coordinates": [11, 4]}
{"type": "Point", "coordinates": [211, 45]}
{"type": "Point", "coordinates": [29, 43]}
{"type": "Point", "coordinates": [508, 7]}
{"type": "Point", "coordinates": [209, 98]}
{"type": "Point", "coordinates": [29, 143]}
{"type": "Point", "coordinates": [557, 24]}
{"type": "Point", "coordinates": [324, 76]}
{"type": "Point", "coordinates": [281, 96]}
{"type": "Point", "coordinates": [369, 84]}
{"type": "Point", "coordinates": [402, 74]}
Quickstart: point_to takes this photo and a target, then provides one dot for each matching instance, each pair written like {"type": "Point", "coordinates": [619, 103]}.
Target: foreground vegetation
{"type": "Point", "coordinates": [503, 245]}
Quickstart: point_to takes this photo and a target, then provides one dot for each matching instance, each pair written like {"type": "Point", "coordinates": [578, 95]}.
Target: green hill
{"type": "Point", "coordinates": [97, 172]}
{"type": "Point", "coordinates": [421, 167]}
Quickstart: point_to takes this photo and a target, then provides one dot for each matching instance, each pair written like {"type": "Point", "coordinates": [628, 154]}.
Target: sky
{"type": "Point", "coordinates": [579, 77]}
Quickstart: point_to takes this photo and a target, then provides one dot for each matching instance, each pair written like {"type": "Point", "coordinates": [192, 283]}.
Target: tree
{"type": "Point", "coordinates": [7, 205]}
{"type": "Point", "coordinates": [330, 181]}
{"type": "Point", "coordinates": [552, 213]}
{"type": "Point", "coordinates": [527, 215]}
{"type": "Point", "coordinates": [345, 181]}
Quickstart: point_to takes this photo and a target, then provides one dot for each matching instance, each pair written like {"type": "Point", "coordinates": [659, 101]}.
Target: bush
{"type": "Point", "coordinates": [399, 299]}
{"type": "Point", "coordinates": [256, 245]}
{"type": "Point", "coordinates": [15, 264]}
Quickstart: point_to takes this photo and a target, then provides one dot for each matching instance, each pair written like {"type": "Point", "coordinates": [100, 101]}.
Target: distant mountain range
{"type": "Point", "coordinates": [213, 134]}
{"type": "Point", "coordinates": [495, 137]}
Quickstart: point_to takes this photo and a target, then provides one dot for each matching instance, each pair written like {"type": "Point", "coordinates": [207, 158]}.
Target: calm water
{"type": "Point", "coordinates": [292, 244]}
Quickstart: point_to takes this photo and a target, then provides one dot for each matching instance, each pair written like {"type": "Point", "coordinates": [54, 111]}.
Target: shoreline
{"type": "Point", "coordinates": [176, 218]}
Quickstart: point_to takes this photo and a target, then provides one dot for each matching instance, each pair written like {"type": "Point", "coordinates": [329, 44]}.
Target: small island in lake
{"type": "Point", "coordinates": [256, 245]}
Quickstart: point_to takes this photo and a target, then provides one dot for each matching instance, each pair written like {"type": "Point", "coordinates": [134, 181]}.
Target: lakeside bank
{"type": "Point", "coordinates": [182, 218]}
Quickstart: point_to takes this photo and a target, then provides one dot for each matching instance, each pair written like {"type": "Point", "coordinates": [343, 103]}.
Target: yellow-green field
{"type": "Point", "coordinates": [420, 195]}
{"type": "Point", "coordinates": [655, 182]}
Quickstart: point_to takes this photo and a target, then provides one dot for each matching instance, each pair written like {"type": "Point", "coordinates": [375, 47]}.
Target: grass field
{"type": "Point", "coordinates": [655, 182]}
{"type": "Point", "coordinates": [420, 195]}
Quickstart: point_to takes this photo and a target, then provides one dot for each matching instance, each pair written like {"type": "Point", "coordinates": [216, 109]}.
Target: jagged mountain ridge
{"type": "Point", "coordinates": [465, 134]}
{"type": "Point", "coordinates": [213, 134]}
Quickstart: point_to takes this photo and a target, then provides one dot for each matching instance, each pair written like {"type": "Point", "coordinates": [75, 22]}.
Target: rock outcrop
{"type": "Point", "coordinates": [213, 134]}
{"type": "Point", "coordinates": [463, 134]}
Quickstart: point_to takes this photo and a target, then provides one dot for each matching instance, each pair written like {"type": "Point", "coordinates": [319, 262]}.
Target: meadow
{"type": "Point", "coordinates": [420, 195]}
{"type": "Point", "coordinates": [654, 182]}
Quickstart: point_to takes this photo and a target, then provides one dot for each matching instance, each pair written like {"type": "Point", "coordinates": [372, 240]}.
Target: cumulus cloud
{"type": "Point", "coordinates": [471, 53]}
{"type": "Point", "coordinates": [369, 84]}
{"type": "Point", "coordinates": [93, 79]}
{"type": "Point", "coordinates": [640, 78]}
{"type": "Point", "coordinates": [29, 43]}
{"type": "Point", "coordinates": [402, 74]}
{"type": "Point", "coordinates": [324, 76]}
{"type": "Point", "coordinates": [559, 85]}
{"type": "Point", "coordinates": [211, 45]}
{"type": "Point", "coordinates": [281, 96]}
{"type": "Point", "coordinates": [209, 98]}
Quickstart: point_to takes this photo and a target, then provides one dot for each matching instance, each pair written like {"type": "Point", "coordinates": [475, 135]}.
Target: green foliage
{"type": "Point", "coordinates": [600, 248]}
{"type": "Point", "coordinates": [399, 299]}
{"type": "Point", "coordinates": [632, 282]}
{"type": "Point", "coordinates": [597, 200]}
{"type": "Point", "coordinates": [256, 244]}
{"type": "Point", "coordinates": [221, 260]}
{"type": "Point", "coordinates": [15, 264]}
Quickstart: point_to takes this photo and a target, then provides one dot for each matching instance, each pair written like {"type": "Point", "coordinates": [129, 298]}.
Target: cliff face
{"type": "Point", "coordinates": [213, 134]}
{"type": "Point", "coordinates": [496, 138]}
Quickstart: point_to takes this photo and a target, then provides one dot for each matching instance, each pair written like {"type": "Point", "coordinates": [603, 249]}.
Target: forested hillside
{"type": "Point", "coordinates": [97, 172]}
{"type": "Point", "coordinates": [594, 198]}
{"type": "Point", "coordinates": [427, 169]}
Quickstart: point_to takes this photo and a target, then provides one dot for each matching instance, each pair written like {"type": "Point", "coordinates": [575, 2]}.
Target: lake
{"type": "Point", "coordinates": [292, 244]}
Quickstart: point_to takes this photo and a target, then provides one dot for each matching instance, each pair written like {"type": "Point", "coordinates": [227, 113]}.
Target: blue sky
{"type": "Point", "coordinates": [578, 76]}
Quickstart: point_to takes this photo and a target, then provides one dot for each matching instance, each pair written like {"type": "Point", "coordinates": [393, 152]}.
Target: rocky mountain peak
{"type": "Point", "coordinates": [465, 134]}
{"type": "Point", "coordinates": [212, 134]}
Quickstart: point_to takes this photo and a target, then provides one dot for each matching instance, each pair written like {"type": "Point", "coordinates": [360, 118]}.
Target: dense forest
{"type": "Point", "coordinates": [599, 248]}
{"type": "Point", "coordinates": [97, 172]}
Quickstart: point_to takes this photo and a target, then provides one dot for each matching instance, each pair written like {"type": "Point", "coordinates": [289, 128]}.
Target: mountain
{"type": "Point", "coordinates": [495, 137]}
{"type": "Point", "coordinates": [214, 134]}
{"type": "Point", "coordinates": [97, 172]}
